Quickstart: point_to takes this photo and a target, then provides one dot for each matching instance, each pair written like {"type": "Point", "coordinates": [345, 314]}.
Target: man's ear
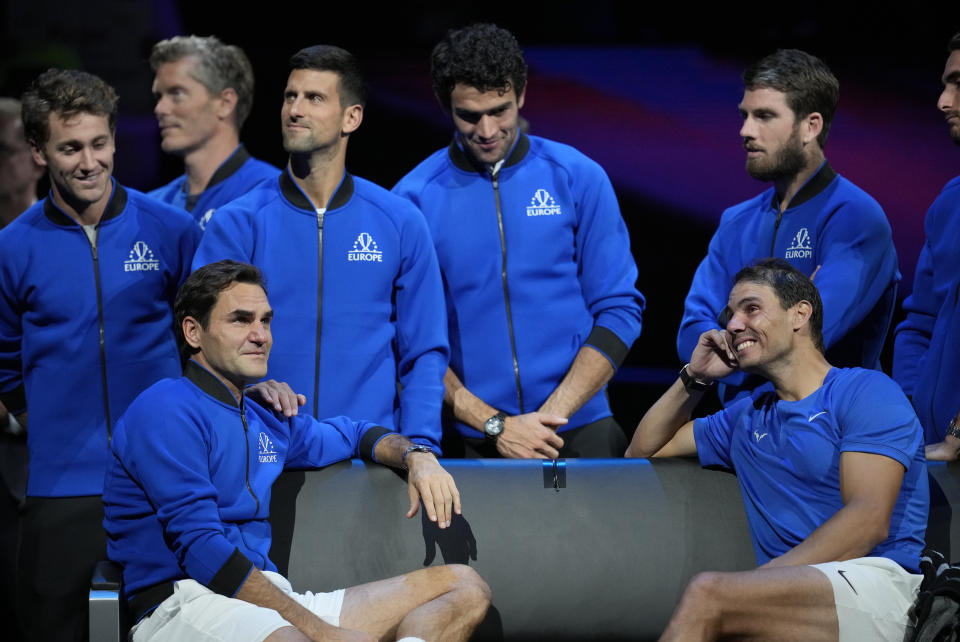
{"type": "Point", "coordinates": [38, 156]}
{"type": "Point", "coordinates": [802, 312]}
{"type": "Point", "coordinates": [191, 332]}
{"type": "Point", "coordinates": [352, 117]}
{"type": "Point", "coordinates": [811, 127]}
{"type": "Point", "coordinates": [228, 103]}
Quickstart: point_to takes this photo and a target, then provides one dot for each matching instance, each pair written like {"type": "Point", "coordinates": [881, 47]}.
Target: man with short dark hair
{"type": "Point", "coordinates": [355, 277]}
{"type": "Point", "coordinates": [539, 279]}
{"type": "Point", "coordinates": [187, 506]}
{"type": "Point", "coordinates": [927, 342]}
{"type": "Point", "coordinates": [204, 93]}
{"type": "Point", "coordinates": [87, 281]}
{"type": "Point", "coordinates": [818, 221]}
{"type": "Point", "coordinates": [830, 465]}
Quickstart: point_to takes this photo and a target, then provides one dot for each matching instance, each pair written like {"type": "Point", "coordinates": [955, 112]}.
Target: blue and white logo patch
{"type": "Point", "coordinates": [365, 249]}
{"type": "Point", "coordinates": [141, 259]}
{"type": "Point", "coordinates": [542, 204]}
{"type": "Point", "coordinates": [800, 246]}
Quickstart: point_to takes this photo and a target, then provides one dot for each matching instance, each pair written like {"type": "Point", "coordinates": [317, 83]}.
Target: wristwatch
{"type": "Point", "coordinates": [493, 426]}
{"type": "Point", "coordinates": [953, 428]}
{"type": "Point", "coordinates": [690, 383]}
{"type": "Point", "coordinates": [416, 448]}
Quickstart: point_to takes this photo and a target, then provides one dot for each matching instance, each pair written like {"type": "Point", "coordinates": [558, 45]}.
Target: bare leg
{"type": "Point", "coordinates": [788, 603]}
{"type": "Point", "coordinates": [435, 603]}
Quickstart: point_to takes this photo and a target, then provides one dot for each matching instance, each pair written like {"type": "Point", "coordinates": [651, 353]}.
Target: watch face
{"type": "Point", "coordinates": [493, 426]}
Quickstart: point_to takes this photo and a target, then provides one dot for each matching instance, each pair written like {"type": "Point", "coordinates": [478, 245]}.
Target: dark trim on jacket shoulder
{"type": "Point", "coordinates": [209, 384]}
{"type": "Point", "coordinates": [229, 167]}
{"type": "Point", "coordinates": [462, 160]}
{"type": "Point", "coordinates": [607, 342]}
{"type": "Point", "coordinates": [292, 192]}
{"type": "Point", "coordinates": [817, 183]}
{"type": "Point", "coordinates": [116, 205]}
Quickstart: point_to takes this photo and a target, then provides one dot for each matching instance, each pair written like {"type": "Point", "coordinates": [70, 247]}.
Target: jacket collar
{"type": "Point", "coordinates": [292, 192]}
{"type": "Point", "coordinates": [116, 205]}
{"type": "Point", "coordinates": [462, 160]}
{"type": "Point", "coordinates": [814, 185]}
{"type": "Point", "coordinates": [231, 165]}
{"type": "Point", "coordinates": [209, 384]}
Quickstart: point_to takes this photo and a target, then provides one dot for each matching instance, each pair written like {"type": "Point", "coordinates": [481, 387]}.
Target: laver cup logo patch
{"type": "Point", "coordinates": [267, 454]}
{"type": "Point", "coordinates": [800, 247]}
{"type": "Point", "coordinates": [141, 259]}
{"type": "Point", "coordinates": [542, 204]}
{"type": "Point", "coordinates": [365, 249]}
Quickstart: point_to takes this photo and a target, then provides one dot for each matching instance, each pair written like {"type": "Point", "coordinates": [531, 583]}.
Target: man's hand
{"type": "Point", "coordinates": [531, 436]}
{"type": "Point", "coordinates": [427, 480]}
{"type": "Point", "coordinates": [713, 358]}
{"type": "Point", "coordinates": [946, 450]}
{"type": "Point", "coordinates": [277, 395]}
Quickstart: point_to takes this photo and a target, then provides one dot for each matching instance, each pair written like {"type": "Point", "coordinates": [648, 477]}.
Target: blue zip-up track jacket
{"type": "Point", "coordinates": [85, 328]}
{"type": "Point", "coordinates": [831, 224]}
{"type": "Point", "coordinates": [536, 263]}
{"type": "Point", "coordinates": [358, 299]}
{"type": "Point", "coordinates": [240, 173]}
{"type": "Point", "coordinates": [187, 492]}
{"type": "Point", "coordinates": [926, 356]}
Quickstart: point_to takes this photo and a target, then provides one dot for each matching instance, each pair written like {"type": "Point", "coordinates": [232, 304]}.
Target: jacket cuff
{"type": "Point", "coordinates": [370, 439]}
{"type": "Point", "coordinates": [231, 575]}
{"type": "Point", "coordinates": [609, 344]}
{"type": "Point", "coordinates": [15, 401]}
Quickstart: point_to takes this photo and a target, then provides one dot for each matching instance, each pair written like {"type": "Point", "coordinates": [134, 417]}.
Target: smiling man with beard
{"type": "Point", "coordinates": [815, 219]}
{"type": "Point", "coordinates": [830, 466]}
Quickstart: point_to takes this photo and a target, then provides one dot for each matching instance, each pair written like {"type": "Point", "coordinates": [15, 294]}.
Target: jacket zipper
{"type": "Point", "coordinates": [316, 365]}
{"type": "Point", "coordinates": [246, 442]}
{"type": "Point", "coordinates": [103, 350]}
{"type": "Point", "coordinates": [506, 289]}
{"type": "Point", "coordinates": [776, 227]}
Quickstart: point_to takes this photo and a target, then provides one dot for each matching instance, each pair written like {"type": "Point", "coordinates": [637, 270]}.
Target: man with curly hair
{"type": "Point", "coordinates": [538, 274]}
{"type": "Point", "coordinates": [204, 93]}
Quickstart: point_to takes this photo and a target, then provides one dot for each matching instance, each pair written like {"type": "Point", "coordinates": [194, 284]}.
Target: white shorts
{"type": "Point", "coordinates": [194, 612]}
{"type": "Point", "coordinates": [873, 596]}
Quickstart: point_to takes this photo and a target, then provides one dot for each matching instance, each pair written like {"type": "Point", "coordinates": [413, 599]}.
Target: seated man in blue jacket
{"type": "Point", "coordinates": [187, 495]}
{"type": "Point", "coordinates": [830, 465]}
{"type": "Point", "coordinates": [812, 217]}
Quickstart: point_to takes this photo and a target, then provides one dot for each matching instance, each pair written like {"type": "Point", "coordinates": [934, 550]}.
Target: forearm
{"type": "Point", "coordinates": [257, 589]}
{"type": "Point", "coordinates": [852, 532]}
{"type": "Point", "coordinates": [389, 450]}
{"type": "Point", "coordinates": [467, 407]}
{"type": "Point", "coordinates": [589, 372]}
{"type": "Point", "coordinates": [662, 421]}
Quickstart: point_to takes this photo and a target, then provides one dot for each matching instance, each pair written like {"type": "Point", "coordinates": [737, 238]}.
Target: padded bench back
{"type": "Point", "coordinates": [586, 549]}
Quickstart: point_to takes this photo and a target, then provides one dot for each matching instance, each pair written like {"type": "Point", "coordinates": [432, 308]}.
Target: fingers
{"type": "Point", "coordinates": [414, 499]}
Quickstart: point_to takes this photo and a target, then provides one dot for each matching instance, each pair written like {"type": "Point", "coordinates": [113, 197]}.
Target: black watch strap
{"type": "Point", "coordinates": [690, 383]}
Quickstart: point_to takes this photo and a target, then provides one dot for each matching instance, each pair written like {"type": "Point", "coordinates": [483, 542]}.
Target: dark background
{"type": "Point", "coordinates": [650, 92]}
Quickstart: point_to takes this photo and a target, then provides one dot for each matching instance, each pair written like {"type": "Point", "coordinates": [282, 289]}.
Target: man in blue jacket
{"type": "Point", "coordinates": [925, 360]}
{"type": "Point", "coordinates": [812, 217]}
{"type": "Point", "coordinates": [539, 279]}
{"type": "Point", "coordinates": [187, 500]}
{"type": "Point", "coordinates": [354, 275]}
{"type": "Point", "coordinates": [87, 281]}
{"type": "Point", "coordinates": [204, 93]}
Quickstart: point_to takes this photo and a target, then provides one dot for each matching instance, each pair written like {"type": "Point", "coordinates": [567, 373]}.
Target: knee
{"type": "Point", "coordinates": [703, 592]}
{"type": "Point", "coordinates": [473, 590]}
